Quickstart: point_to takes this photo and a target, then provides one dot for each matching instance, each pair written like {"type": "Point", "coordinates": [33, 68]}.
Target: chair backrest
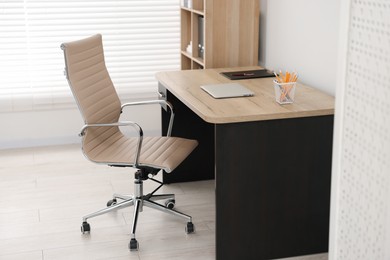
{"type": "Point", "coordinates": [93, 90]}
{"type": "Point", "coordinates": [90, 82]}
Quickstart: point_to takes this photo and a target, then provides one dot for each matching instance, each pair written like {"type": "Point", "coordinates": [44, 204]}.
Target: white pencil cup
{"type": "Point", "coordinates": [284, 92]}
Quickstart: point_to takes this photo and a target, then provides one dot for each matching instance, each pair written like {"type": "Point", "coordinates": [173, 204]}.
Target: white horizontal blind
{"type": "Point", "coordinates": [139, 37]}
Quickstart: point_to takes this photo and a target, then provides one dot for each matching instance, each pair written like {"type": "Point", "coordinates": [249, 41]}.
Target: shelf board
{"type": "Point", "coordinates": [199, 12]}
{"type": "Point", "coordinates": [198, 60]}
{"type": "Point", "coordinates": [187, 54]}
{"type": "Point", "coordinates": [185, 8]}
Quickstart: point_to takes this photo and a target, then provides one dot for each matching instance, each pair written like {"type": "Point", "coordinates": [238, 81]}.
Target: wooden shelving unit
{"type": "Point", "coordinates": [230, 33]}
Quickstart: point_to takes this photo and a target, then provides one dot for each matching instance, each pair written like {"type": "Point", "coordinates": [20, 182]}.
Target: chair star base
{"type": "Point", "coordinates": [138, 200]}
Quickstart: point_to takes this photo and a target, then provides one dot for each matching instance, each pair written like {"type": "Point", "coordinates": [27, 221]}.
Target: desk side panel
{"type": "Point", "coordinates": [200, 163]}
{"type": "Point", "coordinates": [273, 188]}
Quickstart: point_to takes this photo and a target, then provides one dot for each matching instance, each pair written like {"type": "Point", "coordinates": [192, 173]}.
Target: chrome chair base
{"type": "Point", "coordinates": [138, 200]}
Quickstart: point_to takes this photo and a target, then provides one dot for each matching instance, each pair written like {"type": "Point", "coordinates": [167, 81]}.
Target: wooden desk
{"type": "Point", "coordinates": [272, 163]}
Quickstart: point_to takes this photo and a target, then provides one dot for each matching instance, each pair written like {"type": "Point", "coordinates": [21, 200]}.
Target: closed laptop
{"type": "Point", "coordinates": [227, 90]}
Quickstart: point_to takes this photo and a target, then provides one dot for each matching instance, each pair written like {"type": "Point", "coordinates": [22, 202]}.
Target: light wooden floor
{"type": "Point", "coordinates": [44, 192]}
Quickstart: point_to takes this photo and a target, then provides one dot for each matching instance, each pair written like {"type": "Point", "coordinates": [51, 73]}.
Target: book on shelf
{"type": "Point", "coordinates": [201, 36]}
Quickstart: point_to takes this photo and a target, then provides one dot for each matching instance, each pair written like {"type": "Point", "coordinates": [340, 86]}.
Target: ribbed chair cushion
{"type": "Point", "coordinates": [99, 103]}
{"type": "Point", "coordinates": [156, 152]}
{"type": "Point", "coordinates": [90, 82]}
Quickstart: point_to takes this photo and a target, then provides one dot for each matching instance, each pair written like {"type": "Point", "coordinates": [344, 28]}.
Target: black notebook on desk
{"type": "Point", "coordinates": [248, 74]}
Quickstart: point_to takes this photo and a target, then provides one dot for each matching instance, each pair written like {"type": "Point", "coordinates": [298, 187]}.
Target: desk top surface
{"type": "Point", "coordinates": [185, 85]}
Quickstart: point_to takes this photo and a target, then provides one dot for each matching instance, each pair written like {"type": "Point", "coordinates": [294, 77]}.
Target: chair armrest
{"type": "Point", "coordinates": [157, 101]}
{"type": "Point", "coordinates": [124, 123]}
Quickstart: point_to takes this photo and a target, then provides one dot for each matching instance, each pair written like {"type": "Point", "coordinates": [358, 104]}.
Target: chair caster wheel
{"type": "Point", "coordinates": [111, 202]}
{"type": "Point", "coordinates": [85, 227]}
{"type": "Point", "coordinates": [170, 203]}
{"type": "Point", "coordinates": [190, 228]}
{"type": "Point", "coordinates": [133, 245]}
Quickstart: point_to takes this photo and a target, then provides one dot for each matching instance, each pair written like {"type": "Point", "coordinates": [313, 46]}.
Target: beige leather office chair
{"type": "Point", "coordinates": [104, 143]}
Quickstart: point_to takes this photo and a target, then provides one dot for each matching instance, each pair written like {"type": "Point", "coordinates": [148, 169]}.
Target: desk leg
{"type": "Point", "coordinates": [273, 188]}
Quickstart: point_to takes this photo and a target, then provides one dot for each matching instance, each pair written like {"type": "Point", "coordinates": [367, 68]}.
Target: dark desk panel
{"type": "Point", "coordinates": [273, 188]}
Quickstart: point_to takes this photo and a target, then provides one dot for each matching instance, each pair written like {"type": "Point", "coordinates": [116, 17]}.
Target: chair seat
{"type": "Point", "coordinates": [157, 152]}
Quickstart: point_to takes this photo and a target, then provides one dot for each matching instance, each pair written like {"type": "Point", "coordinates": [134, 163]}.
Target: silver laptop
{"type": "Point", "coordinates": [227, 90]}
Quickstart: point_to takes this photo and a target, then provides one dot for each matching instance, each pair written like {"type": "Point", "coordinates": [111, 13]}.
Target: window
{"type": "Point", "coordinates": [139, 37]}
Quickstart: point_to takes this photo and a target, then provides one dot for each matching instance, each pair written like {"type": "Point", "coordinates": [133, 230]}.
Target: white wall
{"type": "Point", "coordinates": [61, 126]}
{"type": "Point", "coordinates": [37, 128]}
{"type": "Point", "coordinates": [302, 36]}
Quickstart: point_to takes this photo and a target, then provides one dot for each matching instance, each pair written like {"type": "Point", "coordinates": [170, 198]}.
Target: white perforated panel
{"type": "Point", "coordinates": [363, 198]}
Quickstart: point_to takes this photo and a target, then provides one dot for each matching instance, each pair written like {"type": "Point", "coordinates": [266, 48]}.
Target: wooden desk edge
{"type": "Point", "coordinates": [215, 120]}
{"type": "Point", "coordinates": [160, 76]}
